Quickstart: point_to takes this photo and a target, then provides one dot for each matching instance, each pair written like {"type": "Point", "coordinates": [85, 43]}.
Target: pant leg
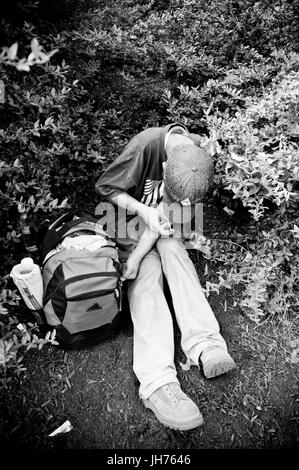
{"type": "Point", "coordinates": [198, 325]}
{"type": "Point", "coordinates": [153, 352]}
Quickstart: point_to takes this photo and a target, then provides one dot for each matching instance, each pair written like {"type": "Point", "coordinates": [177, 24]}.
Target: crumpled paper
{"type": "Point", "coordinates": [65, 427]}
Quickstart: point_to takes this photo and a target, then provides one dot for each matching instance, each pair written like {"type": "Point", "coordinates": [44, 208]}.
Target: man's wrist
{"type": "Point", "coordinates": [141, 210]}
{"type": "Point", "coordinates": [136, 255]}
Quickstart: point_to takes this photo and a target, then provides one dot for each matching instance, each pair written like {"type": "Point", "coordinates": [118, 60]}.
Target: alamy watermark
{"type": "Point", "coordinates": [124, 225]}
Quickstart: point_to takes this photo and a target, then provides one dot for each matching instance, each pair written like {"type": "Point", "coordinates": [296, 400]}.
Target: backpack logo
{"type": "Point", "coordinates": [94, 307]}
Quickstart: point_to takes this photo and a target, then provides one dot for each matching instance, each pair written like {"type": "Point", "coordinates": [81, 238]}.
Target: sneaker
{"type": "Point", "coordinates": [216, 361]}
{"type": "Point", "coordinates": [174, 408]}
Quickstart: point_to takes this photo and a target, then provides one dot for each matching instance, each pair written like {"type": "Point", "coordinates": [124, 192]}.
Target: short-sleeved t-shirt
{"type": "Point", "coordinates": [138, 171]}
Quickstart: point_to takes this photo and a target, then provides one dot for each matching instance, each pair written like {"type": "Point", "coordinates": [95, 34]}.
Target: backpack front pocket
{"type": "Point", "coordinates": [90, 310]}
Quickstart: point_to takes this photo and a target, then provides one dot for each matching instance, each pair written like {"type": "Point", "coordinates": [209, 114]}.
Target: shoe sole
{"type": "Point", "coordinates": [175, 426]}
{"type": "Point", "coordinates": [216, 367]}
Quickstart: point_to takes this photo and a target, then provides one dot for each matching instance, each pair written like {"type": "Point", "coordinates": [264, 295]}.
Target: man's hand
{"type": "Point", "coordinates": [131, 267]}
{"type": "Point", "coordinates": [154, 219]}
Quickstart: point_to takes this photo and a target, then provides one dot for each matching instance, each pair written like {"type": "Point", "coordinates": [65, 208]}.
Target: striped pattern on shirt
{"type": "Point", "coordinates": [152, 192]}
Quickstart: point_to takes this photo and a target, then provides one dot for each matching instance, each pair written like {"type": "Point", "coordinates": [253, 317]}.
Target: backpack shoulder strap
{"type": "Point", "coordinates": [61, 226]}
{"type": "Point", "coordinates": [69, 216]}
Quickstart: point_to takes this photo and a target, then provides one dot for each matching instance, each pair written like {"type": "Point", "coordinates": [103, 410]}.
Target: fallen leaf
{"type": "Point", "coordinates": [294, 343]}
{"type": "Point", "coordinates": [206, 270]}
{"type": "Point", "coordinates": [294, 357]}
{"type": "Point", "coordinates": [68, 382]}
{"type": "Point", "coordinates": [247, 258]}
{"type": "Point", "coordinates": [91, 381]}
{"type": "Point", "coordinates": [228, 211]}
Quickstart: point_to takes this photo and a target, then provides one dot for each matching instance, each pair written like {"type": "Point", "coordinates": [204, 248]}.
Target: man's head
{"type": "Point", "coordinates": [188, 174]}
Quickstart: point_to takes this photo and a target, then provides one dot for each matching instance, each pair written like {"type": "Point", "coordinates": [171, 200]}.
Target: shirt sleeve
{"type": "Point", "coordinates": [124, 174]}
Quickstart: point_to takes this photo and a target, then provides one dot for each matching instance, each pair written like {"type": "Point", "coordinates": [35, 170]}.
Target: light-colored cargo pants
{"type": "Point", "coordinates": [153, 356]}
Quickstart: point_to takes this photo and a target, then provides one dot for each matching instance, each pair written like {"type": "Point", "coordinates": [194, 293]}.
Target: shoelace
{"type": "Point", "coordinates": [174, 392]}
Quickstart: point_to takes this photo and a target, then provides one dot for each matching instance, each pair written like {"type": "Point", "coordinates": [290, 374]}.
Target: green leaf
{"type": "Point", "coordinates": [23, 67]}
{"type": "Point", "coordinates": [35, 48]}
{"type": "Point", "coordinates": [12, 51]}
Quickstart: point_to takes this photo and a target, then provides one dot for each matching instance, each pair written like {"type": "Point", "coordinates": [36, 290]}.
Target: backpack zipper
{"type": "Point", "coordinates": [75, 279]}
{"type": "Point", "coordinates": [47, 259]}
{"type": "Point", "coordinates": [91, 295]}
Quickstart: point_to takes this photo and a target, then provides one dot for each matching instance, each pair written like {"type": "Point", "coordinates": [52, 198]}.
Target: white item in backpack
{"type": "Point", "coordinates": [79, 242]}
{"type": "Point", "coordinates": [84, 242]}
{"type": "Point", "coordinates": [28, 279]}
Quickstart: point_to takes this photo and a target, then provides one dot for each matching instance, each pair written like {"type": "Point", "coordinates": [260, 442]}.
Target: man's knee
{"type": "Point", "coordinates": [149, 275]}
{"type": "Point", "coordinates": [171, 247]}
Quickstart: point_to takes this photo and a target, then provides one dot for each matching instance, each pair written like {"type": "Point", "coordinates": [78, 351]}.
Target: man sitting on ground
{"type": "Point", "coordinates": [158, 167]}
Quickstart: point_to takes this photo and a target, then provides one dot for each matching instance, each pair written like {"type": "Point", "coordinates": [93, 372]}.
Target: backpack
{"type": "Point", "coordinates": [82, 289]}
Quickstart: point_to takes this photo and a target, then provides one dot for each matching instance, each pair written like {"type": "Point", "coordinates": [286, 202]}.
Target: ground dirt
{"type": "Point", "coordinates": [255, 406]}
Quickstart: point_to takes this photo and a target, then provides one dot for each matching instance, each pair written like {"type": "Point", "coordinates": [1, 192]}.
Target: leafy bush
{"type": "Point", "coordinates": [36, 56]}
{"type": "Point", "coordinates": [259, 163]}
{"type": "Point", "coordinates": [226, 69]}
{"type": "Point", "coordinates": [16, 336]}
{"type": "Point", "coordinates": [262, 259]}
{"type": "Point", "coordinates": [260, 159]}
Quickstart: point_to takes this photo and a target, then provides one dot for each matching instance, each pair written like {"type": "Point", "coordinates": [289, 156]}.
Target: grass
{"type": "Point", "coordinates": [255, 406]}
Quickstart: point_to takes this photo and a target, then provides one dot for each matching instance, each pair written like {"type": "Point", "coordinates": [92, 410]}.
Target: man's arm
{"type": "Point", "coordinates": [149, 237]}
{"type": "Point", "coordinates": [150, 215]}
{"type": "Point", "coordinates": [113, 186]}
{"type": "Point", "coordinates": [125, 201]}
{"type": "Point", "coordinates": [144, 245]}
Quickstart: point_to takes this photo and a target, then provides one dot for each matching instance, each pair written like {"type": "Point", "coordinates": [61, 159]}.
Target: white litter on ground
{"type": "Point", "coordinates": [65, 427]}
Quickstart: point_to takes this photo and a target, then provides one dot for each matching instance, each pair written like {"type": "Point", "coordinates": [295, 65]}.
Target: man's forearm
{"type": "Point", "coordinates": [125, 201]}
{"type": "Point", "coordinates": [150, 215]}
{"type": "Point", "coordinates": [149, 236]}
{"type": "Point", "coordinates": [146, 242]}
